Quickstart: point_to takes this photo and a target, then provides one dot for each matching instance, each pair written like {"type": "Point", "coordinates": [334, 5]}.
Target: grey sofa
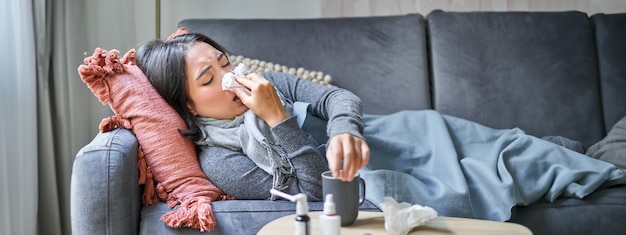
{"type": "Point", "coordinates": [548, 73]}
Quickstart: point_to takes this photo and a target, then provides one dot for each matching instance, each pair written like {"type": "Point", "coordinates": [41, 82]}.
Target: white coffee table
{"type": "Point", "coordinates": [374, 223]}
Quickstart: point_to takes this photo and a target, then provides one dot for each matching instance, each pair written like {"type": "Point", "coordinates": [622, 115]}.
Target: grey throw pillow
{"type": "Point", "coordinates": [613, 147]}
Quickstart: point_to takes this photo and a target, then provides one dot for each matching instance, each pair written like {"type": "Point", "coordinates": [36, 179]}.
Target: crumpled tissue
{"type": "Point", "coordinates": [401, 218]}
{"type": "Point", "coordinates": [228, 80]}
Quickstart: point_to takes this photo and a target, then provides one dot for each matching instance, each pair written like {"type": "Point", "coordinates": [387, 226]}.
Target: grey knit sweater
{"type": "Point", "coordinates": [236, 175]}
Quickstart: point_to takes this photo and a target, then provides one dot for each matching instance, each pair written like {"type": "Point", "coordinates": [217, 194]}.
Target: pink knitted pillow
{"type": "Point", "coordinates": [170, 159]}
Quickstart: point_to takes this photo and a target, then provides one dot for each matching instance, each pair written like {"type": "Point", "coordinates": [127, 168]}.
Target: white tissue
{"type": "Point", "coordinates": [401, 218]}
{"type": "Point", "coordinates": [229, 80]}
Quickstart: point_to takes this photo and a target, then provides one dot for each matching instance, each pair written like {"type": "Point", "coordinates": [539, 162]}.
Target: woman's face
{"type": "Point", "coordinates": [205, 67]}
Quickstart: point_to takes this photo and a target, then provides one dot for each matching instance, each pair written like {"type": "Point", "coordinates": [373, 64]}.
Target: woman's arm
{"type": "Point", "coordinates": [347, 150]}
{"type": "Point", "coordinates": [236, 175]}
{"type": "Point", "coordinates": [340, 107]}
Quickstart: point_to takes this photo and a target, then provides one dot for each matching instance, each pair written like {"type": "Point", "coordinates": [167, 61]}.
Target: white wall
{"type": "Point", "coordinates": [173, 11]}
{"type": "Point", "coordinates": [333, 8]}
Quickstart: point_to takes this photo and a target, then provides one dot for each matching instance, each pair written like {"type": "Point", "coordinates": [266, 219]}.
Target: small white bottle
{"type": "Point", "coordinates": [302, 222]}
{"type": "Point", "coordinates": [330, 222]}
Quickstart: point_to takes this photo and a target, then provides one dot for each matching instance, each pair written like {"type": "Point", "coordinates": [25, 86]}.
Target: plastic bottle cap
{"type": "Point", "coordinates": [302, 207]}
{"type": "Point", "coordinates": [329, 205]}
{"type": "Point", "coordinates": [330, 223]}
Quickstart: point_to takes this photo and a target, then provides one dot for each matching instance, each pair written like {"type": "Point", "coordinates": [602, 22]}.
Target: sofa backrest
{"type": "Point", "coordinates": [548, 73]}
{"type": "Point", "coordinates": [533, 70]}
{"type": "Point", "coordinates": [369, 50]}
{"type": "Point", "coordinates": [611, 42]}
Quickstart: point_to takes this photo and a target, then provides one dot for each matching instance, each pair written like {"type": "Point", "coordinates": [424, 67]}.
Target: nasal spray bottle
{"type": "Point", "coordinates": [330, 222]}
{"type": "Point", "coordinates": [303, 226]}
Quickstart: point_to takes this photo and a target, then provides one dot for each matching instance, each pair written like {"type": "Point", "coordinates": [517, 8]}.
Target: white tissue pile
{"type": "Point", "coordinates": [401, 218]}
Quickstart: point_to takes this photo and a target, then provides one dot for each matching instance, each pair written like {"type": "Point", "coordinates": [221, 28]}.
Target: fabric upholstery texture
{"type": "Point", "coordinates": [613, 147]}
{"type": "Point", "coordinates": [104, 185]}
{"type": "Point", "coordinates": [602, 212]}
{"type": "Point", "coordinates": [359, 53]}
{"type": "Point", "coordinates": [530, 55]}
{"type": "Point", "coordinates": [233, 216]}
{"type": "Point", "coordinates": [610, 38]}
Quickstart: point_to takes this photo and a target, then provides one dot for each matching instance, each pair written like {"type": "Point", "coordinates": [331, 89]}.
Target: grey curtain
{"type": "Point", "coordinates": [47, 113]}
{"type": "Point", "coordinates": [18, 161]}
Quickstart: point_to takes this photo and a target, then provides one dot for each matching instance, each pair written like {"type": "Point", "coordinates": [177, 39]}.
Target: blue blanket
{"type": "Point", "coordinates": [461, 168]}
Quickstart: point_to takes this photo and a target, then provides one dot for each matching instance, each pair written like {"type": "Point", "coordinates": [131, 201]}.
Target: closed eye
{"type": "Point", "coordinates": [219, 58]}
{"type": "Point", "coordinates": [222, 56]}
{"type": "Point", "coordinates": [208, 82]}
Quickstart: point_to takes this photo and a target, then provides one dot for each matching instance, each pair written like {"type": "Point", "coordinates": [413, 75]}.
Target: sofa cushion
{"type": "Point", "coordinates": [602, 212]}
{"type": "Point", "coordinates": [370, 50]}
{"type": "Point", "coordinates": [610, 38]}
{"type": "Point", "coordinates": [533, 70]}
{"type": "Point", "coordinates": [613, 147]}
{"type": "Point", "coordinates": [233, 217]}
{"type": "Point", "coordinates": [104, 185]}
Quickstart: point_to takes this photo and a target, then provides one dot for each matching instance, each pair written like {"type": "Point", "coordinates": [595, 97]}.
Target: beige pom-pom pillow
{"type": "Point", "coordinates": [260, 66]}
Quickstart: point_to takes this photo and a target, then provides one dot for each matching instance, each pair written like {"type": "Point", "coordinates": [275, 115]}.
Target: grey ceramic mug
{"type": "Point", "coordinates": [348, 196]}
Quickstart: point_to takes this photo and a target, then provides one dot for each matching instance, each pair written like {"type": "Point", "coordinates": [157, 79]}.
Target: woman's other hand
{"type": "Point", "coordinates": [262, 98]}
{"type": "Point", "coordinates": [346, 154]}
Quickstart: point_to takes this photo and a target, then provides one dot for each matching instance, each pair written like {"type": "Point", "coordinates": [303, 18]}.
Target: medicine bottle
{"type": "Point", "coordinates": [330, 222]}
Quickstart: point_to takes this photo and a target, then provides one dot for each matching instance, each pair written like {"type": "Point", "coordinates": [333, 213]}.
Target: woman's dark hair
{"type": "Point", "coordinates": [163, 62]}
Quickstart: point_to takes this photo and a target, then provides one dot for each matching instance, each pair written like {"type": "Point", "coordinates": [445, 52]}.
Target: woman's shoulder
{"type": "Point", "coordinates": [274, 77]}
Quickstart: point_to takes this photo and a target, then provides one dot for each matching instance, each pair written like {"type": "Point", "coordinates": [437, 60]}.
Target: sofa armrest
{"type": "Point", "coordinates": [105, 194]}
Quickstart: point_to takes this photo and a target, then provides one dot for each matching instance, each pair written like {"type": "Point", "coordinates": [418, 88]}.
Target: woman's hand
{"type": "Point", "coordinates": [262, 98]}
{"type": "Point", "coordinates": [346, 154]}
